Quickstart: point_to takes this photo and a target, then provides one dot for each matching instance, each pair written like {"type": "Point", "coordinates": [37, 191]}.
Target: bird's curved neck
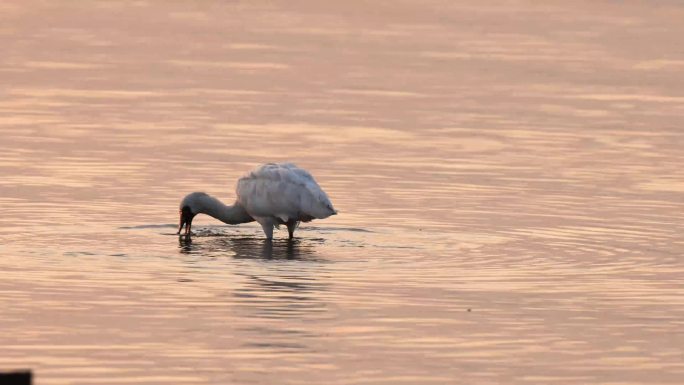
{"type": "Point", "coordinates": [231, 215]}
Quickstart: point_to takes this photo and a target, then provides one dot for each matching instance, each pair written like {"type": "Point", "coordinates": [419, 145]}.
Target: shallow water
{"type": "Point", "coordinates": [509, 179]}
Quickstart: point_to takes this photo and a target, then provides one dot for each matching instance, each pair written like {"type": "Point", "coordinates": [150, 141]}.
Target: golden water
{"type": "Point", "coordinates": [509, 178]}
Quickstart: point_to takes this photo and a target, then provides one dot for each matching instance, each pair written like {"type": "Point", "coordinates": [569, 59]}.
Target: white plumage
{"type": "Point", "coordinates": [271, 194]}
{"type": "Point", "coordinates": [283, 191]}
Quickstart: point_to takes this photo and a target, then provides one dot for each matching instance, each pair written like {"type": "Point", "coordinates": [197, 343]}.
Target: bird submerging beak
{"type": "Point", "coordinates": [272, 194]}
{"type": "Point", "coordinates": [186, 216]}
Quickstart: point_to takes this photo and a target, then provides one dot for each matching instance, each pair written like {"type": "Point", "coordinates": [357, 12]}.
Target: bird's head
{"type": "Point", "coordinates": [186, 216]}
{"type": "Point", "coordinates": [189, 207]}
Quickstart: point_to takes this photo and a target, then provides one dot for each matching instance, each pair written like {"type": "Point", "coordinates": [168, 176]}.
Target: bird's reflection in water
{"type": "Point", "coordinates": [250, 247]}
{"type": "Point", "coordinates": [279, 290]}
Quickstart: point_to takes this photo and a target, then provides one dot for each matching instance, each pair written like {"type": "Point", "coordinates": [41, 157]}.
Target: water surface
{"type": "Point", "coordinates": [509, 178]}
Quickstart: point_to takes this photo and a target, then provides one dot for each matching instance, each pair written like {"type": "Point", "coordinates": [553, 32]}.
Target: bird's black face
{"type": "Point", "coordinates": [186, 216]}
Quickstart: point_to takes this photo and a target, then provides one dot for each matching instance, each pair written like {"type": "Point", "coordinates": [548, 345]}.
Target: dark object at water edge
{"type": "Point", "coordinates": [18, 377]}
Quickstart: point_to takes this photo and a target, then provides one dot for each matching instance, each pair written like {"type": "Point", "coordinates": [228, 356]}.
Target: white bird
{"type": "Point", "coordinates": [271, 194]}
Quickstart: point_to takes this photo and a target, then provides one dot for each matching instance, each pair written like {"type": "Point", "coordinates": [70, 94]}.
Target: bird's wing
{"type": "Point", "coordinates": [284, 191]}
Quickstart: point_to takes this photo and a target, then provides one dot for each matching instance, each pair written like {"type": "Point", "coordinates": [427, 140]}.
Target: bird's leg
{"type": "Point", "coordinates": [267, 226]}
{"type": "Point", "coordinates": [291, 226]}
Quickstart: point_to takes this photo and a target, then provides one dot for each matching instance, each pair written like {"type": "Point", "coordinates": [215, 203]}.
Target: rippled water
{"type": "Point", "coordinates": [510, 180]}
